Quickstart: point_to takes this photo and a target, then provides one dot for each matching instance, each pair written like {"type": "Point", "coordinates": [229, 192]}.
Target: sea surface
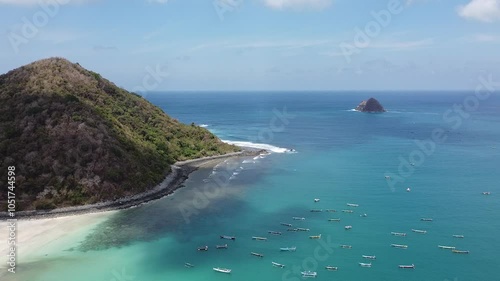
{"type": "Point", "coordinates": [446, 153]}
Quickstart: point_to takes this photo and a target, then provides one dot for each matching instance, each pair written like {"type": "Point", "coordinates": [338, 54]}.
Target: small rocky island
{"type": "Point", "coordinates": [371, 105]}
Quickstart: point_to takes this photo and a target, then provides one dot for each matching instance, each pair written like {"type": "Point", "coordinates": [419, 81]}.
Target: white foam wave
{"type": "Point", "coordinates": [265, 146]}
{"type": "Point", "coordinates": [248, 161]}
{"type": "Point", "coordinates": [203, 125]}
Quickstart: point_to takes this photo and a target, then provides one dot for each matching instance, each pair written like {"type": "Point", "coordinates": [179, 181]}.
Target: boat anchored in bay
{"type": "Point", "coordinates": [222, 270]}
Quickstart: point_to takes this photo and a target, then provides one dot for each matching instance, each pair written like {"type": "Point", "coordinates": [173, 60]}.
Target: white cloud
{"type": "Point", "coordinates": [298, 4]}
{"type": "Point", "coordinates": [29, 3]}
{"type": "Point", "coordinates": [481, 10]}
{"type": "Point", "coordinates": [483, 38]}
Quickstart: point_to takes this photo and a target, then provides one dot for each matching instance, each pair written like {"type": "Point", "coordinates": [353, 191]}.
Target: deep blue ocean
{"type": "Point", "coordinates": [443, 146]}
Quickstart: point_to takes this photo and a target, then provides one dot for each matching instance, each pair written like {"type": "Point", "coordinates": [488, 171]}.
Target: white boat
{"type": "Point", "coordinates": [333, 219]}
{"type": "Point", "coordinates": [408, 189]}
{"type": "Point", "coordinates": [347, 227]}
{"type": "Point", "coordinates": [352, 205]}
{"type": "Point", "coordinates": [298, 218]}
{"type": "Point", "coordinates": [346, 246]}
{"type": "Point", "coordinates": [257, 254]}
{"type": "Point", "coordinates": [369, 257]}
{"type": "Point", "coordinates": [363, 215]}
{"type": "Point", "coordinates": [286, 224]}
{"type": "Point", "coordinates": [459, 251]}
{"type": "Point", "coordinates": [458, 236]}
{"type": "Point", "coordinates": [486, 193]}
{"type": "Point", "coordinates": [221, 246]}
{"type": "Point", "coordinates": [259, 238]}
{"type": "Point", "coordinates": [399, 246]}
{"type": "Point", "coordinates": [316, 200]}
{"type": "Point", "coordinates": [315, 236]}
{"type": "Point", "coordinates": [274, 232]}
{"type": "Point", "coordinates": [204, 248]}
{"type": "Point", "coordinates": [411, 266]}
{"type": "Point", "coordinates": [419, 231]}
{"type": "Point", "coordinates": [188, 265]}
{"type": "Point", "coordinates": [362, 264]}
{"type": "Point", "coordinates": [275, 264]}
{"type": "Point", "coordinates": [331, 268]}
{"type": "Point", "coordinates": [398, 233]}
{"type": "Point", "coordinates": [222, 270]}
{"type": "Point", "coordinates": [348, 211]}
{"type": "Point", "coordinates": [446, 247]}
{"type": "Point", "coordinates": [302, 229]}
{"type": "Point", "coordinates": [331, 210]}
{"type": "Point", "coordinates": [288, 249]}
{"type": "Point", "coordinates": [308, 273]}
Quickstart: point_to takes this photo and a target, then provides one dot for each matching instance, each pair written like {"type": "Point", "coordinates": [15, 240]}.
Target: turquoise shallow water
{"type": "Point", "coordinates": [342, 157]}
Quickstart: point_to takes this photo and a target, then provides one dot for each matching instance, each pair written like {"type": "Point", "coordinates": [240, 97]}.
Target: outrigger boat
{"type": "Point", "coordinates": [362, 264]}
{"type": "Point", "coordinates": [352, 205]}
{"type": "Point", "coordinates": [399, 246]}
{"type": "Point", "coordinates": [331, 268]}
{"type": "Point", "coordinates": [298, 218]}
{"type": "Point", "coordinates": [460, 252]}
{"type": "Point", "coordinates": [302, 229]}
{"type": "Point", "coordinates": [426, 219]}
{"type": "Point", "coordinates": [188, 265]}
{"type": "Point", "coordinates": [333, 219]}
{"type": "Point", "coordinates": [221, 246]}
{"type": "Point", "coordinates": [316, 210]}
{"type": "Point", "coordinates": [257, 254]}
{"type": "Point", "coordinates": [274, 232]}
{"type": "Point", "coordinates": [398, 233]}
{"type": "Point", "coordinates": [346, 246]}
{"type": "Point", "coordinates": [446, 247]}
{"type": "Point", "coordinates": [348, 211]}
{"type": "Point", "coordinates": [222, 270]}
{"type": "Point", "coordinates": [204, 248]}
{"type": "Point", "coordinates": [315, 236]}
{"type": "Point", "coordinates": [292, 229]}
{"type": "Point", "coordinates": [331, 210]}
{"type": "Point", "coordinates": [259, 238]}
{"type": "Point", "coordinates": [286, 224]}
{"type": "Point", "coordinates": [308, 273]}
{"type": "Point", "coordinates": [275, 264]}
{"type": "Point", "coordinates": [369, 257]}
{"type": "Point", "coordinates": [458, 236]}
{"type": "Point", "coordinates": [412, 266]}
{"type": "Point", "coordinates": [288, 249]}
{"type": "Point", "coordinates": [419, 231]}
{"type": "Point", "coordinates": [227, 237]}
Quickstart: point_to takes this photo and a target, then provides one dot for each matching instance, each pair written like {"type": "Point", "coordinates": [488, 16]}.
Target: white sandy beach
{"type": "Point", "coordinates": [50, 236]}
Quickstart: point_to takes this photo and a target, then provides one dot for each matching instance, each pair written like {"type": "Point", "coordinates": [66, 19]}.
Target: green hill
{"type": "Point", "coordinates": [76, 138]}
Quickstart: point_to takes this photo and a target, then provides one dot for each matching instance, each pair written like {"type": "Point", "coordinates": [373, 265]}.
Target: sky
{"type": "Point", "coordinates": [224, 45]}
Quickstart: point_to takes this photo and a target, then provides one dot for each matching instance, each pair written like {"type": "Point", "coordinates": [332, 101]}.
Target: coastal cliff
{"type": "Point", "coordinates": [75, 138]}
{"type": "Point", "coordinates": [370, 105]}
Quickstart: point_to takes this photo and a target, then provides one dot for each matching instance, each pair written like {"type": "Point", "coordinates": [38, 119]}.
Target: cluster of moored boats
{"type": "Point", "coordinates": [419, 231]}
{"type": "Point", "coordinates": [307, 274]}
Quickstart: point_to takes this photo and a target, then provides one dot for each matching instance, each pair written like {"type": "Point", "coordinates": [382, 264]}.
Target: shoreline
{"type": "Point", "coordinates": [173, 181]}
